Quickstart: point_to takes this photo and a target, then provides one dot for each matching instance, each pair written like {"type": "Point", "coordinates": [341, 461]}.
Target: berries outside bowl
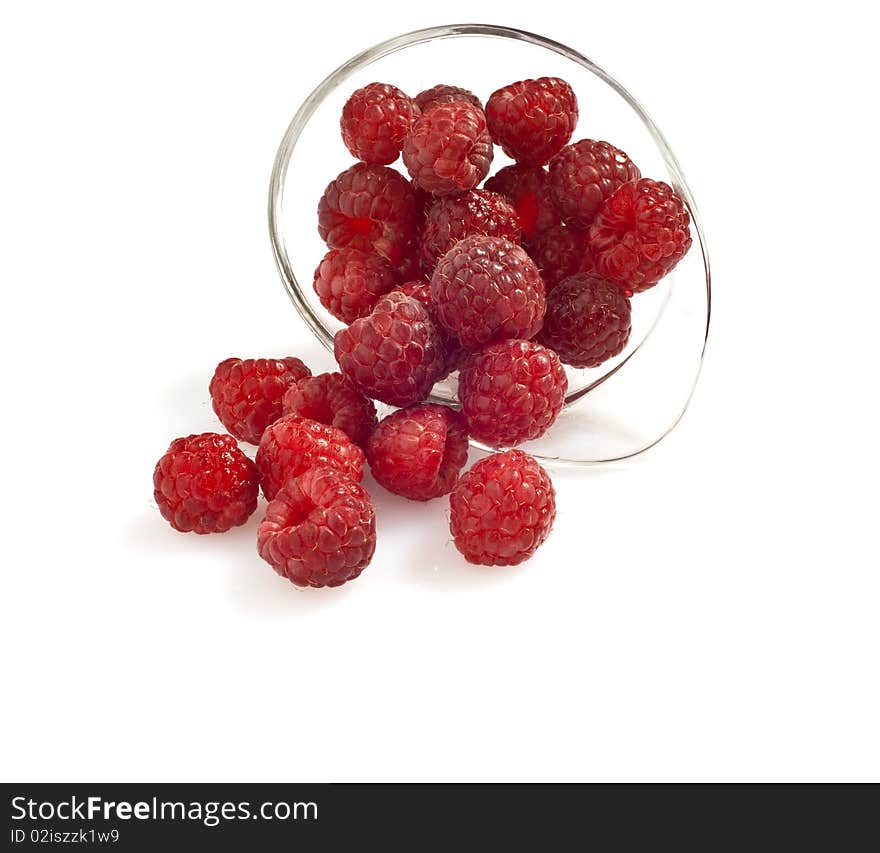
{"type": "Point", "coordinates": [633, 398]}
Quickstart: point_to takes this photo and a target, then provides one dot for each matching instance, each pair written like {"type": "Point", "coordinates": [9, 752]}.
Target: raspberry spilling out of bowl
{"type": "Point", "coordinates": [432, 275]}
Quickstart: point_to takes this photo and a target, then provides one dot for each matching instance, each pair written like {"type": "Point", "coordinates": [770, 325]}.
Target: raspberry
{"type": "Point", "coordinates": [587, 322]}
{"type": "Point", "coordinates": [375, 121]}
{"type": "Point", "coordinates": [487, 288]}
{"type": "Point", "coordinates": [449, 149]}
{"type": "Point", "coordinates": [583, 175]}
{"type": "Point", "coordinates": [640, 234]}
{"type": "Point", "coordinates": [371, 208]}
{"type": "Point", "coordinates": [320, 530]}
{"type": "Point", "coordinates": [558, 253]}
{"type": "Point", "coordinates": [453, 218]}
{"type": "Point", "coordinates": [502, 509]}
{"type": "Point", "coordinates": [246, 394]}
{"type": "Point", "coordinates": [349, 282]}
{"type": "Point", "coordinates": [531, 120]}
{"type": "Point", "coordinates": [527, 188]}
{"type": "Point", "coordinates": [395, 355]}
{"type": "Point", "coordinates": [453, 352]}
{"type": "Point", "coordinates": [443, 94]}
{"type": "Point", "coordinates": [511, 392]}
{"type": "Point", "coordinates": [293, 444]}
{"type": "Point", "coordinates": [417, 452]}
{"type": "Point", "coordinates": [330, 398]}
{"type": "Point", "coordinates": [205, 484]}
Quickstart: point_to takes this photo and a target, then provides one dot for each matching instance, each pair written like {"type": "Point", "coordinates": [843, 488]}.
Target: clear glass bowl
{"type": "Point", "coordinates": [612, 412]}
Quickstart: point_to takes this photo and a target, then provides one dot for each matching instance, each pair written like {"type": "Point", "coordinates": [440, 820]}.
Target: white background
{"type": "Point", "coordinates": [709, 611]}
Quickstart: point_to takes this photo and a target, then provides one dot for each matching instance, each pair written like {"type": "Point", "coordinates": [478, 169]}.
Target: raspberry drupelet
{"type": "Point", "coordinates": [246, 393]}
{"type": "Point", "coordinates": [502, 509]}
{"type": "Point", "coordinates": [527, 188]}
{"type": "Point", "coordinates": [640, 234]}
{"type": "Point", "coordinates": [372, 208]}
{"type": "Point", "coordinates": [486, 289]}
{"type": "Point", "coordinates": [205, 484]}
{"type": "Point", "coordinates": [319, 530]}
{"type": "Point", "coordinates": [511, 391]}
{"type": "Point", "coordinates": [395, 354]}
{"type": "Point", "coordinates": [375, 121]}
{"type": "Point", "coordinates": [349, 282]}
{"type": "Point", "coordinates": [293, 444]}
{"type": "Point", "coordinates": [583, 175]}
{"type": "Point", "coordinates": [417, 452]}
{"type": "Point", "coordinates": [331, 399]}
{"type": "Point", "coordinates": [532, 119]}
{"type": "Point", "coordinates": [588, 321]}
{"type": "Point", "coordinates": [453, 218]}
{"type": "Point", "coordinates": [449, 149]}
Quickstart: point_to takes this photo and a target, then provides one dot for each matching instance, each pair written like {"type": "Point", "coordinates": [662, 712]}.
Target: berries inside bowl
{"type": "Point", "coordinates": [456, 190]}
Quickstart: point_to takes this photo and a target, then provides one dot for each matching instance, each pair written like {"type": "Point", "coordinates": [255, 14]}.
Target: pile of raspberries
{"type": "Point", "coordinates": [431, 275]}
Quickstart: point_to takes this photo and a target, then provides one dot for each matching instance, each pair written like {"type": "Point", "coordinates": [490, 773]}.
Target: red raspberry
{"type": "Point", "coordinates": [527, 188]}
{"type": "Point", "coordinates": [395, 355]}
{"type": "Point", "coordinates": [349, 282]}
{"type": "Point", "coordinates": [449, 149]}
{"type": "Point", "coordinates": [375, 121]}
{"type": "Point", "coordinates": [588, 321]}
{"type": "Point", "coordinates": [487, 288]}
{"type": "Point", "coordinates": [502, 509]}
{"type": "Point", "coordinates": [558, 253]}
{"type": "Point", "coordinates": [293, 444]}
{"type": "Point", "coordinates": [453, 218]}
{"type": "Point", "coordinates": [511, 392]}
{"type": "Point", "coordinates": [583, 175]}
{"type": "Point", "coordinates": [205, 484]}
{"type": "Point", "coordinates": [330, 398]}
{"type": "Point", "coordinates": [371, 208]}
{"type": "Point", "coordinates": [531, 120]}
{"type": "Point", "coordinates": [246, 394]}
{"type": "Point", "coordinates": [640, 234]}
{"type": "Point", "coordinates": [418, 452]}
{"type": "Point", "coordinates": [443, 94]}
{"type": "Point", "coordinates": [453, 352]}
{"type": "Point", "coordinates": [320, 530]}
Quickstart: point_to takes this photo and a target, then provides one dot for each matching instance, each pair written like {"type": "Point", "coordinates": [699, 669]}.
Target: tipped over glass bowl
{"type": "Point", "coordinates": [612, 412]}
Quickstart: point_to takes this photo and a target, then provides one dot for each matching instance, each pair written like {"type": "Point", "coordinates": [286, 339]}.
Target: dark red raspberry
{"type": "Point", "coordinates": [349, 282]}
{"type": "Point", "coordinates": [246, 393]}
{"type": "Point", "coordinates": [395, 355]}
{"type": "Point", "coordinates": [531, 120]}
{"type": "Point", "coordinates": [293, 444]}
{"type": "Point", "coordinates": [640, 234]}
{"type": "Point", "coordinates": [330, 398]}
{"type": "Point", "coordinates": [453, 218]}
{"type": "Point", "coordinates": [417, 452]}
{"type": "Point", "coordinates": [443, 94]}
{"type": "Point", "coordinates": [502, 509]}
{"type": "Point", "coordinates": [588, 321]}
{"type": "Point", "coordinates": [486, 289]}
{"type": "Point", "coordinates": [320, 530]}
{"type": "Point", "coordinates": [371, 208]}
{"type": "Point", "coordinates": [205, 484]}
{"type": "Point", "coordinates": [583, 175]}
{"type": "Point", "coordinates": [449, 149]}
{"type": "Point", "coordinates": [511, 392]}
{"type": "Point", "coordinates": [558, 252]}
{"type": "Point", "coordinates": [527, 188]}
{"type": "Point", "coordinates": [375, 121]}
{"type": "Point", "coordinates": [453, 352]}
